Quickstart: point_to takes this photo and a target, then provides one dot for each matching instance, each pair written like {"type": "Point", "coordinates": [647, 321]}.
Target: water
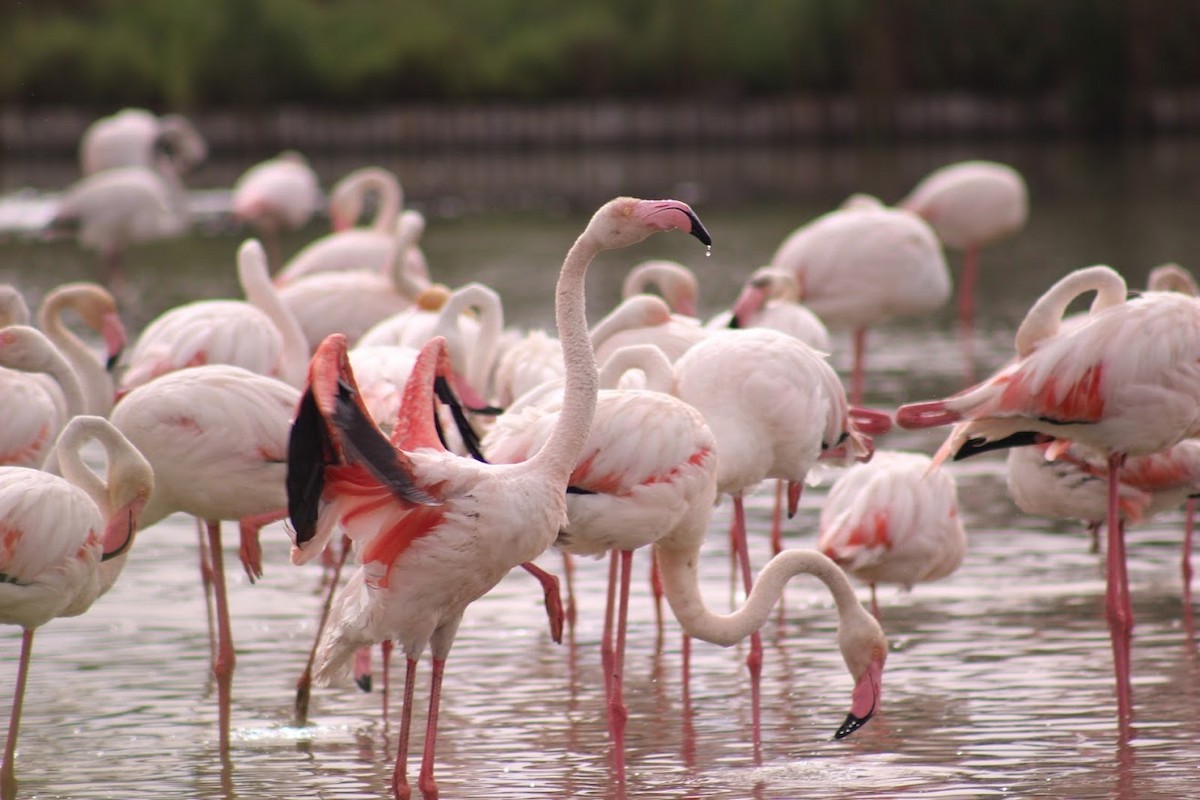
{"type": "Point", "coordinates": [999, 683]}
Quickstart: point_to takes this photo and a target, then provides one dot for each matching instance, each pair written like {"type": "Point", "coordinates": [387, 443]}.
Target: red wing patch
{"type": "Point", "coordinates": [1081, 401]}
{"type": "Point", "coordinates": [388, 546]}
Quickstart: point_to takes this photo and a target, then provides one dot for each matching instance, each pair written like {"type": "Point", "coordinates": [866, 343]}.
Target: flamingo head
{"type": "Point", "coordinates": [864, 649]}
{"type": "Point", "coordinates": [626, 220]}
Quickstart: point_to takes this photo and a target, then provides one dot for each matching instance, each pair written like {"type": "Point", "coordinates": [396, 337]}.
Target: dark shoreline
{"type": "Point", "coordinates": [604, 123]}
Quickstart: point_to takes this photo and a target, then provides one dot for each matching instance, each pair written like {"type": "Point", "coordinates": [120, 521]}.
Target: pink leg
{"type": "Point", "coordinates": [224, 663]}
{"type": "Point", "coordinates": [429, 787]}
{"type": "Point", "coordinates": [400, 788]}
{"type": "Point", "coordinates": [250, 551]}
{"type": "Point", "coordinates": [569, 577]}
{"type": "Point", "coordinates": [362, 668]}
{"type": "Point", "coordinates": [606, 638]}
{"type": "Point", "coordinates": [552, 599]}
{"type": "Point", "coordinates": [304, 684]}
{"type": "Point", "coordinates": [656, 589]}
{"type": "Point", "coordinates": [8, 774]}
{"type": "Point", "coordinates": [617, 712]}
{"type": "Point", "coordinates": [755, 659]}
{"type": "Point", "coordinates": [860, 359]}
{"type": "Point", "coordinates": [777, 520]}
{"type": "Point", "coordinates": [385, 655]}
{"type": "Point", "coordinates": [1189, 526]}
{"type": "Point", "coordinates": [1118, 608]}
{"type": "Point", "coordinates": [874, 603]}
{"type": "Point", "coordinates": [206, 582]}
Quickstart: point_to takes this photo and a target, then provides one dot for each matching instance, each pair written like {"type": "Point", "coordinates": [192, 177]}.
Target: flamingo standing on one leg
{"type": "Point", "coordinates": [64, 543]}
{"type": "Point", "coordinates": [1123, 382]}
{"type": "Point", "coordinates": [217, 437]}
{"type": "Point", "coordinates": [863, 264]}
{"type": "Point", "coordinates": [893, 521]}
{"type": "Point", "coordinates": [437, 531]}
{"type": "Point", "coordinates": [970, 205]}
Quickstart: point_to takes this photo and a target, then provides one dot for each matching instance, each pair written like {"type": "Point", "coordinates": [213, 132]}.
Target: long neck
{"type": "Point", "coordinates": [682, 587]}
{"type": "Point", "coordinates": [1045, 317]}
{"type": "Point", "coordinates": [491, 321]}
{"type": "Point", "coordinates": [390, 199]}
{"type": "Point", "coordinates": [638, 311]}
{"type": "Point", "coordinates": [71, 465]}
{"type": "Point", "coordinates": [408, 229]}
{"type": "Point", "coordinates": [561, 451]}
{"type": "Point", "coordinates": [94, 379]}
{"type": "Point", "coordinates": [647, 358]}
{"type": "Point", "coordinates": [260, 292]}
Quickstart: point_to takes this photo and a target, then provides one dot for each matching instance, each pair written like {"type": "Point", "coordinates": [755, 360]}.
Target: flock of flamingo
{"type": "Point", "coordinates": [401, 428]}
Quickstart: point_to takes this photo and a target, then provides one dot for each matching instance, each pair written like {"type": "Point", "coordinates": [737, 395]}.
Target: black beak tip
{"type": "Point", "coordinates": [851, 724]}
{"type": "Point", "coordinates": [698, 230]}
{"type": "Point", "coordinates": [487, 411]}
{"type": "Point", "coordinates": [111, 363]}
{"type": "Point", "coordinates": [363, 682]}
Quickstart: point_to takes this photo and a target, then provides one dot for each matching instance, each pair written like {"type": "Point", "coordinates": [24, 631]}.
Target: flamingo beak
{"type": "Point", "coordinates": [115, 338]}
{"type": "Point", "coordinates": [864, 701]}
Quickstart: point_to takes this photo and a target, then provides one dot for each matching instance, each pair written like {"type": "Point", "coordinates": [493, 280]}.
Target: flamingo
{"type": "Point", "coordinates": [216, 436]}
{"type": "Point", "coordinates": [279, 194]}
{"type": "Point", "coordinates": [646, 319]}
{"type": "Point", "coordinates": [120, 206]}
{"type": "Point", "coordinates": [359, 248]}
{"type": "Point", "coordinates": [131, 137]}
{"type": "Point", "coordinates": [863, 264]}
{"type": "Point", "coordinates": [436, 531]}
{"type": "Point", "coordinates": [770, 298]}
{"type": "Point", "coordinates": [648, 467]}
{"type": "Point", "coordinates": [258, 333]}
{"type": "Point", "coordinates": [33, 408]}
{"type": "Point", "coordinates": [775, 406]}
{"type": "Point", "coordinates": [1122, 382]}
{"type": "Point", "coordinates": [888, 521]}
{"type": "Point", "coordinates": [65, 541]}
{"type": "Point", "coordinates": [352, 301]}
{"type": "Point", "coordinates": [13, 308]}
{"type": "Point", "coordinates": [97, 308]}
{"type": "Point", "coordinates": [676, 283]}
{"type": "Point", "coordinates": [970, 204]}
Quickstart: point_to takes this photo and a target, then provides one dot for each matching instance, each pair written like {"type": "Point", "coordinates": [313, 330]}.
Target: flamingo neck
{"type": "Point", "coordinates": [262, 294]}
{"type": "Point", "coordinates": [682, 587]}
{"type": "Point", "coordinates": [95, 381]}
{"type": "Point", "coordinates": [407, 279]}
{"type": "Point", "coordinates": [1045, 317]}
{"type": "Point", "coordinates": [391, 198]}
{"type": "Point", "coordinates": [561, 451]}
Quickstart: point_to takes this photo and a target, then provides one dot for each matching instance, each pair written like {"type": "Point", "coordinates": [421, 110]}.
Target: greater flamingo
{"type": "Point", "coordinates": [114, 208]}
{"type": "Point", "coordinates": [217, 438]}
{"type": "Point", "coordinates": [775, 406]}
{"type": "Point", "coordinates": [970, 204]}
{"type": "Point", "coordinates": [277, 195]}
{"type": "Point", "coordinates": [892, 520]}
{"type": "Point", "coordinates": [39, 394]}
{"type": "Point", "coordinates": [676, 283]}
{"type": "Point", "coordinates": [444, 529]}
{"type": "Point", "coordinates": [64, 543]}
{"type": "Point", "coordinates": [646, 319]}
{"type": "Point", "coordinates": [770, 298]}
{"type": "Point", "coordinates": [1123, 382]}
{"type": "Point", "coordinates": [258, 333]}
{"type": "Point", "coordinates": [360, 248]}
{"type": "Point", "coordinates": [132, 136]}
{"type": "Point", "coordinates": [862, 265]}
{"type": "Point", "coordinates": [97, 309]}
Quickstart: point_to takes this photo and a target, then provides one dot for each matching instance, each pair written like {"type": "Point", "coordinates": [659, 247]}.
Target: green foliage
{"type": "Point", "coordinates": [189, 54]}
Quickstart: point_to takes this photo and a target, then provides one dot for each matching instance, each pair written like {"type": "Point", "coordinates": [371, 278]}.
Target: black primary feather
{"type": "Point", "coordinates": [364, 444]}
{"type": "Point", "coordinates": [309, 450]}
{"type": "Point", "coordinates": [974, 447]}
{"type": "Point", "coordinates": [469, 437]}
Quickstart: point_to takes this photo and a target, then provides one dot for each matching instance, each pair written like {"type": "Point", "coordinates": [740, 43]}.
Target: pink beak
{"type": "Point", "coordinates": [864, 702]}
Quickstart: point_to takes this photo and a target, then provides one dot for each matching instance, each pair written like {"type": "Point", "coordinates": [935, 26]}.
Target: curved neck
{"type": "Point", "coordinates": [261, 293]}
{"type": "Point", "coordinates": [36, 353]}
{"type": "Point", "coordinates": [408, 230]}
{"type": "Point", "coordinates": [682, 587]}
{"type": "Point", "coordinates": [561, 451]}
{"type": "Point", "coordinates": [94, 379]}
{"type": "Point", "coordinates": [491, 322]}
{"type": "Point", "coordinates": [1045, 317]}
{"type": "Point", "coordinates": [385, 185]}
{"type": "Point", "coordinates": [638, 311]}
{"type": "Point", "coordinates": [647, 358]}
{"type": "Point", "coordinates": [71, 465]}
{"type": "Point", "coordinates": [676, 282]}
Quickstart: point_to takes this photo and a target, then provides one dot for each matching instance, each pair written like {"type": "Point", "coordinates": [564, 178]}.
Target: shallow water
{"type": "Point", "coordinates": [999, 683]}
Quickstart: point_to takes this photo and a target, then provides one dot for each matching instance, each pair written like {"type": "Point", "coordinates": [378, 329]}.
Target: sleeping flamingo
{"type": "Point", "coordinates": [277, 195]}
{"type": "Point", "coordinates": [891, 520]}
{"type": "Point", "coordinates": [437, 531]}
{"type": "Point", "coordinates": [1122, 382]}
{"type": "Point", "coordinates": [863, 264]}
{"type": "Point", "coordinates": [65, 541]}
{"type": "Point", "coordinates": [132, 136]}
{"type": "Point", "coordinates": [970, 205]}
{"type": "Point", "coordinates": [39, 394]}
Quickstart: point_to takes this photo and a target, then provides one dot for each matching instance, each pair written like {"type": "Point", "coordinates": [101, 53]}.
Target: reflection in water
{"type": "Point", "coordinates": [999, 682]}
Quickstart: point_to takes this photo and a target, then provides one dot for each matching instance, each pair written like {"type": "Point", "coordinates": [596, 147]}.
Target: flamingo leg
{"type": "Point", "coordinates": [206, 581]}
{"type": "Point", "coordinates": [606, 638]}
{"type": "Point", "coordinates": [966, 288]}
{"type": "Point", "coordinates": [777, 520]}
{"type": "Point", "coordinates": [755, 659]}
{"type": "Point", "coordinates": [552, 599]}
{"type": "Point", "coordinates": [428, 785]}
{"type": "Point", "coordinates": [860, 359]}
{"type": "Point", "coordinates": [400, 788]}
{"type": "Point", "coordinates": [250, 551]}
{"type": "Point", "coordinates": [304, 683]}
{"type": "Point", "coordinates": [656, 589]}
{"type": "Point", "coordinates": [569, 577]}
{"type": "Point", "coordinates": [223, 664]}
{"type": "Point", "coordinates": [618, 714]}
{"type": "Point", "coordinates": [1118, 608]}
{"type": "Point", "coordinates": [8, 774]}
{"type": "Point", "coordinates": [385, 652]}
{"type": "Point", "coordinates": [1189, 527]}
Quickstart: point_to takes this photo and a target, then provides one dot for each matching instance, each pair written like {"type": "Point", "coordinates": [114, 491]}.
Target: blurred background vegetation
{"type": "Point", "coordinates": [1103, 61]}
